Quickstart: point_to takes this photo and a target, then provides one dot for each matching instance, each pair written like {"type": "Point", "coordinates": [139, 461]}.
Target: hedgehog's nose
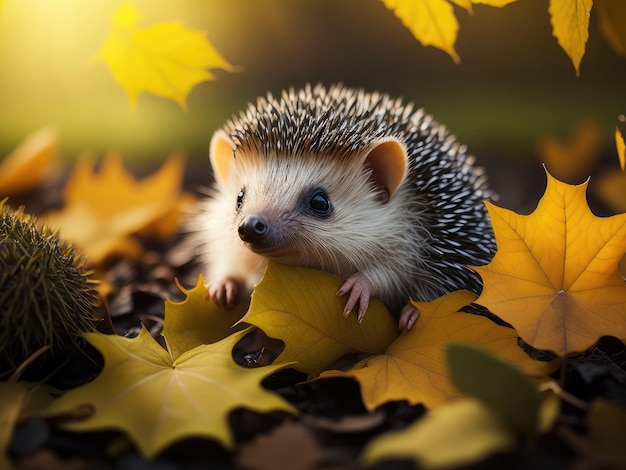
{"type": "Point", "coordinates": [253, 229]}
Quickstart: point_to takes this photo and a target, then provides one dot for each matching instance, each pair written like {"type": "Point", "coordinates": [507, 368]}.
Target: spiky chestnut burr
{"type": "Point", "coordinates": [46, 298]}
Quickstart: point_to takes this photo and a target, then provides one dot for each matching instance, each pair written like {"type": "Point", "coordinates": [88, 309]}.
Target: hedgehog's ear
{"type": "Point", "coordinates": [387, 163]}
{"type": "Point", "coordinates": [221, 154]}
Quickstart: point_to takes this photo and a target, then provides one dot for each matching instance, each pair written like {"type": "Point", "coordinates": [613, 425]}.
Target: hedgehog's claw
{"type": "Point", "coordinates": [223, 292]}
{"type": "Point", "coordinates": [360, 290]}
{"type": "Point", "coordinates": [408, 316]}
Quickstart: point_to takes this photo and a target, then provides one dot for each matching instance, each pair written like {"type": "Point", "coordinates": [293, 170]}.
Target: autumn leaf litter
{"type": "Point", "coordinates": [136, 287]}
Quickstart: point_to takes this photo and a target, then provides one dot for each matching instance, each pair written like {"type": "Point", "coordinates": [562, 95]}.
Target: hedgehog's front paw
{"type": "Point", "coordinates": [408, 316]}
{"type": "Point", "coordinates": [223, 292]}
{"type": "Point", "coordinates": [360, 290]}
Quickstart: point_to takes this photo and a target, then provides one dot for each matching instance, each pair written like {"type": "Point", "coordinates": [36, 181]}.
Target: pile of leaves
{"type": "Point", "coordinates": [286, 381]}
{"type": "Point", "coordinates": [536, 376]}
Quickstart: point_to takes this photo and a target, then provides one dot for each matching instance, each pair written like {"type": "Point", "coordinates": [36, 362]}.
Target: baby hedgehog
{"type": "Point", "coordinates": [356, 184]}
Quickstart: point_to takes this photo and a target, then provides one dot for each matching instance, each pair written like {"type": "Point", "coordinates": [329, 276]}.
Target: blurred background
{"type": "Point", "coordinates": [514, 83]}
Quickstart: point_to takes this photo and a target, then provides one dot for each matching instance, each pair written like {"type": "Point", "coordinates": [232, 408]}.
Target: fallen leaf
{"type": "Point", "coordinates": [290, 445]}
{"type": "Point", "coordinates": [196, 321]}
{"type": "Point", "coordinates": [610, 15]}
{"type": "Point", "coordinates": [168, 225]}
{"type": "Point", "coordinates": [570, 26]}
{"type": "Point", "coordinates": [453, 435]}
{"type": "Point", "coordinates": [165, 59]}
{"type": "Point", "coordinates": [12, 396]}
{"type": "Point", "coordinates": [157, 401]}
{"type": "Point", "coordinates": [300, 307]}
{"type": "Point", "coordinates": [498, 384]}
{"type": "Point", "coordinates": [414, 367]}
{"type": "Point", "coordinates": [99, 219]}
{"type": "Point", "coordinates": [571, 161]}
{"type": "Point", "coordinates": [28, 166]}
{"type": "Point", "coordinates": [432, 22]}
{"type": "Point", "coordinates": [554, 276]}
{"type": "Point", "coordinates": [19, 400]}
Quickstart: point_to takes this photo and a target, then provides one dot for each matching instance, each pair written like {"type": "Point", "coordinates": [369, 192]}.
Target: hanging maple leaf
{"type": "Point", "coordinates": [102, 209]}
{"type": "Point", "coordinates": [300, 307]}
{"type": "Point", "coordinates": [554, 276]}
{"type": "Point", "coordinates": [570, 26]}
{"type": "Point", "coordinates": [157, 400]}
{"type": "Point", "coordinates": [166, 59]}
{"type": "Point", "coordinates": [414, 367]}
{"type": "Point", "coordinates": [433, 22]}
{"type": "Point", "coordinates": [196, 321]}
{"type": "Point", "coordinates": [28, 165]}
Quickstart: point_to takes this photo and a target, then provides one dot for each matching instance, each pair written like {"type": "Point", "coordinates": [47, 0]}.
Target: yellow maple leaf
{"type": "Point", "coordinates": [166, 59]}
{"type": "Point", "coordinates": [157, 400]}
{"type": "Point", "coordinates": [572, 160]}
{"type": "Point", "coordinates": [196, 320]}
{"type": "Point", "coordinates": [414, 367]}
{"type": "Point", "coordinates": [432, 22]}
{"type": "Point", "coordinates": [300, 307]}
{"type": "Point", "coordinates": [103, 208]}
{"type": "Point", "coordinates": [28, 165]}
{"type": "Point", "coordinates": [554, 276]}
{"type": "Point", "coordinates": [611, 14]}
{"type": "Point", "coordinates": [570, 26]}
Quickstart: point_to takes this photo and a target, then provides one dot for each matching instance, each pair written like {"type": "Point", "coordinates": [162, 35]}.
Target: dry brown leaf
{"type": "Point", "coordinates": [290, 445]}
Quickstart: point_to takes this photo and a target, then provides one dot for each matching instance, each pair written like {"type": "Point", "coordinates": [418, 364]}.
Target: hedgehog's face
{"type": "Point", "coordinates": [280, 203]}
{"type": "Point", "coordinates": [307, 210]}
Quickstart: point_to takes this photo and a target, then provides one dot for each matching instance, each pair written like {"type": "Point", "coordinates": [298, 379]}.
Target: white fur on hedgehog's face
{"type": "Point", "coordinates": [302, 211]}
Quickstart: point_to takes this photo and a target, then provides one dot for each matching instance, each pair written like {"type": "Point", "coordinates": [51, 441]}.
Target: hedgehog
{"type": "Point", "coordinates": [354, 183]}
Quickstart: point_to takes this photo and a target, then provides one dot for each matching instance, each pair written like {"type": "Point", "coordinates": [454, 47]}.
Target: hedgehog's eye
{"type": "Point", "coordinates": [319, 204]}
{"type": "Point", "coordinates": [240, 196]}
